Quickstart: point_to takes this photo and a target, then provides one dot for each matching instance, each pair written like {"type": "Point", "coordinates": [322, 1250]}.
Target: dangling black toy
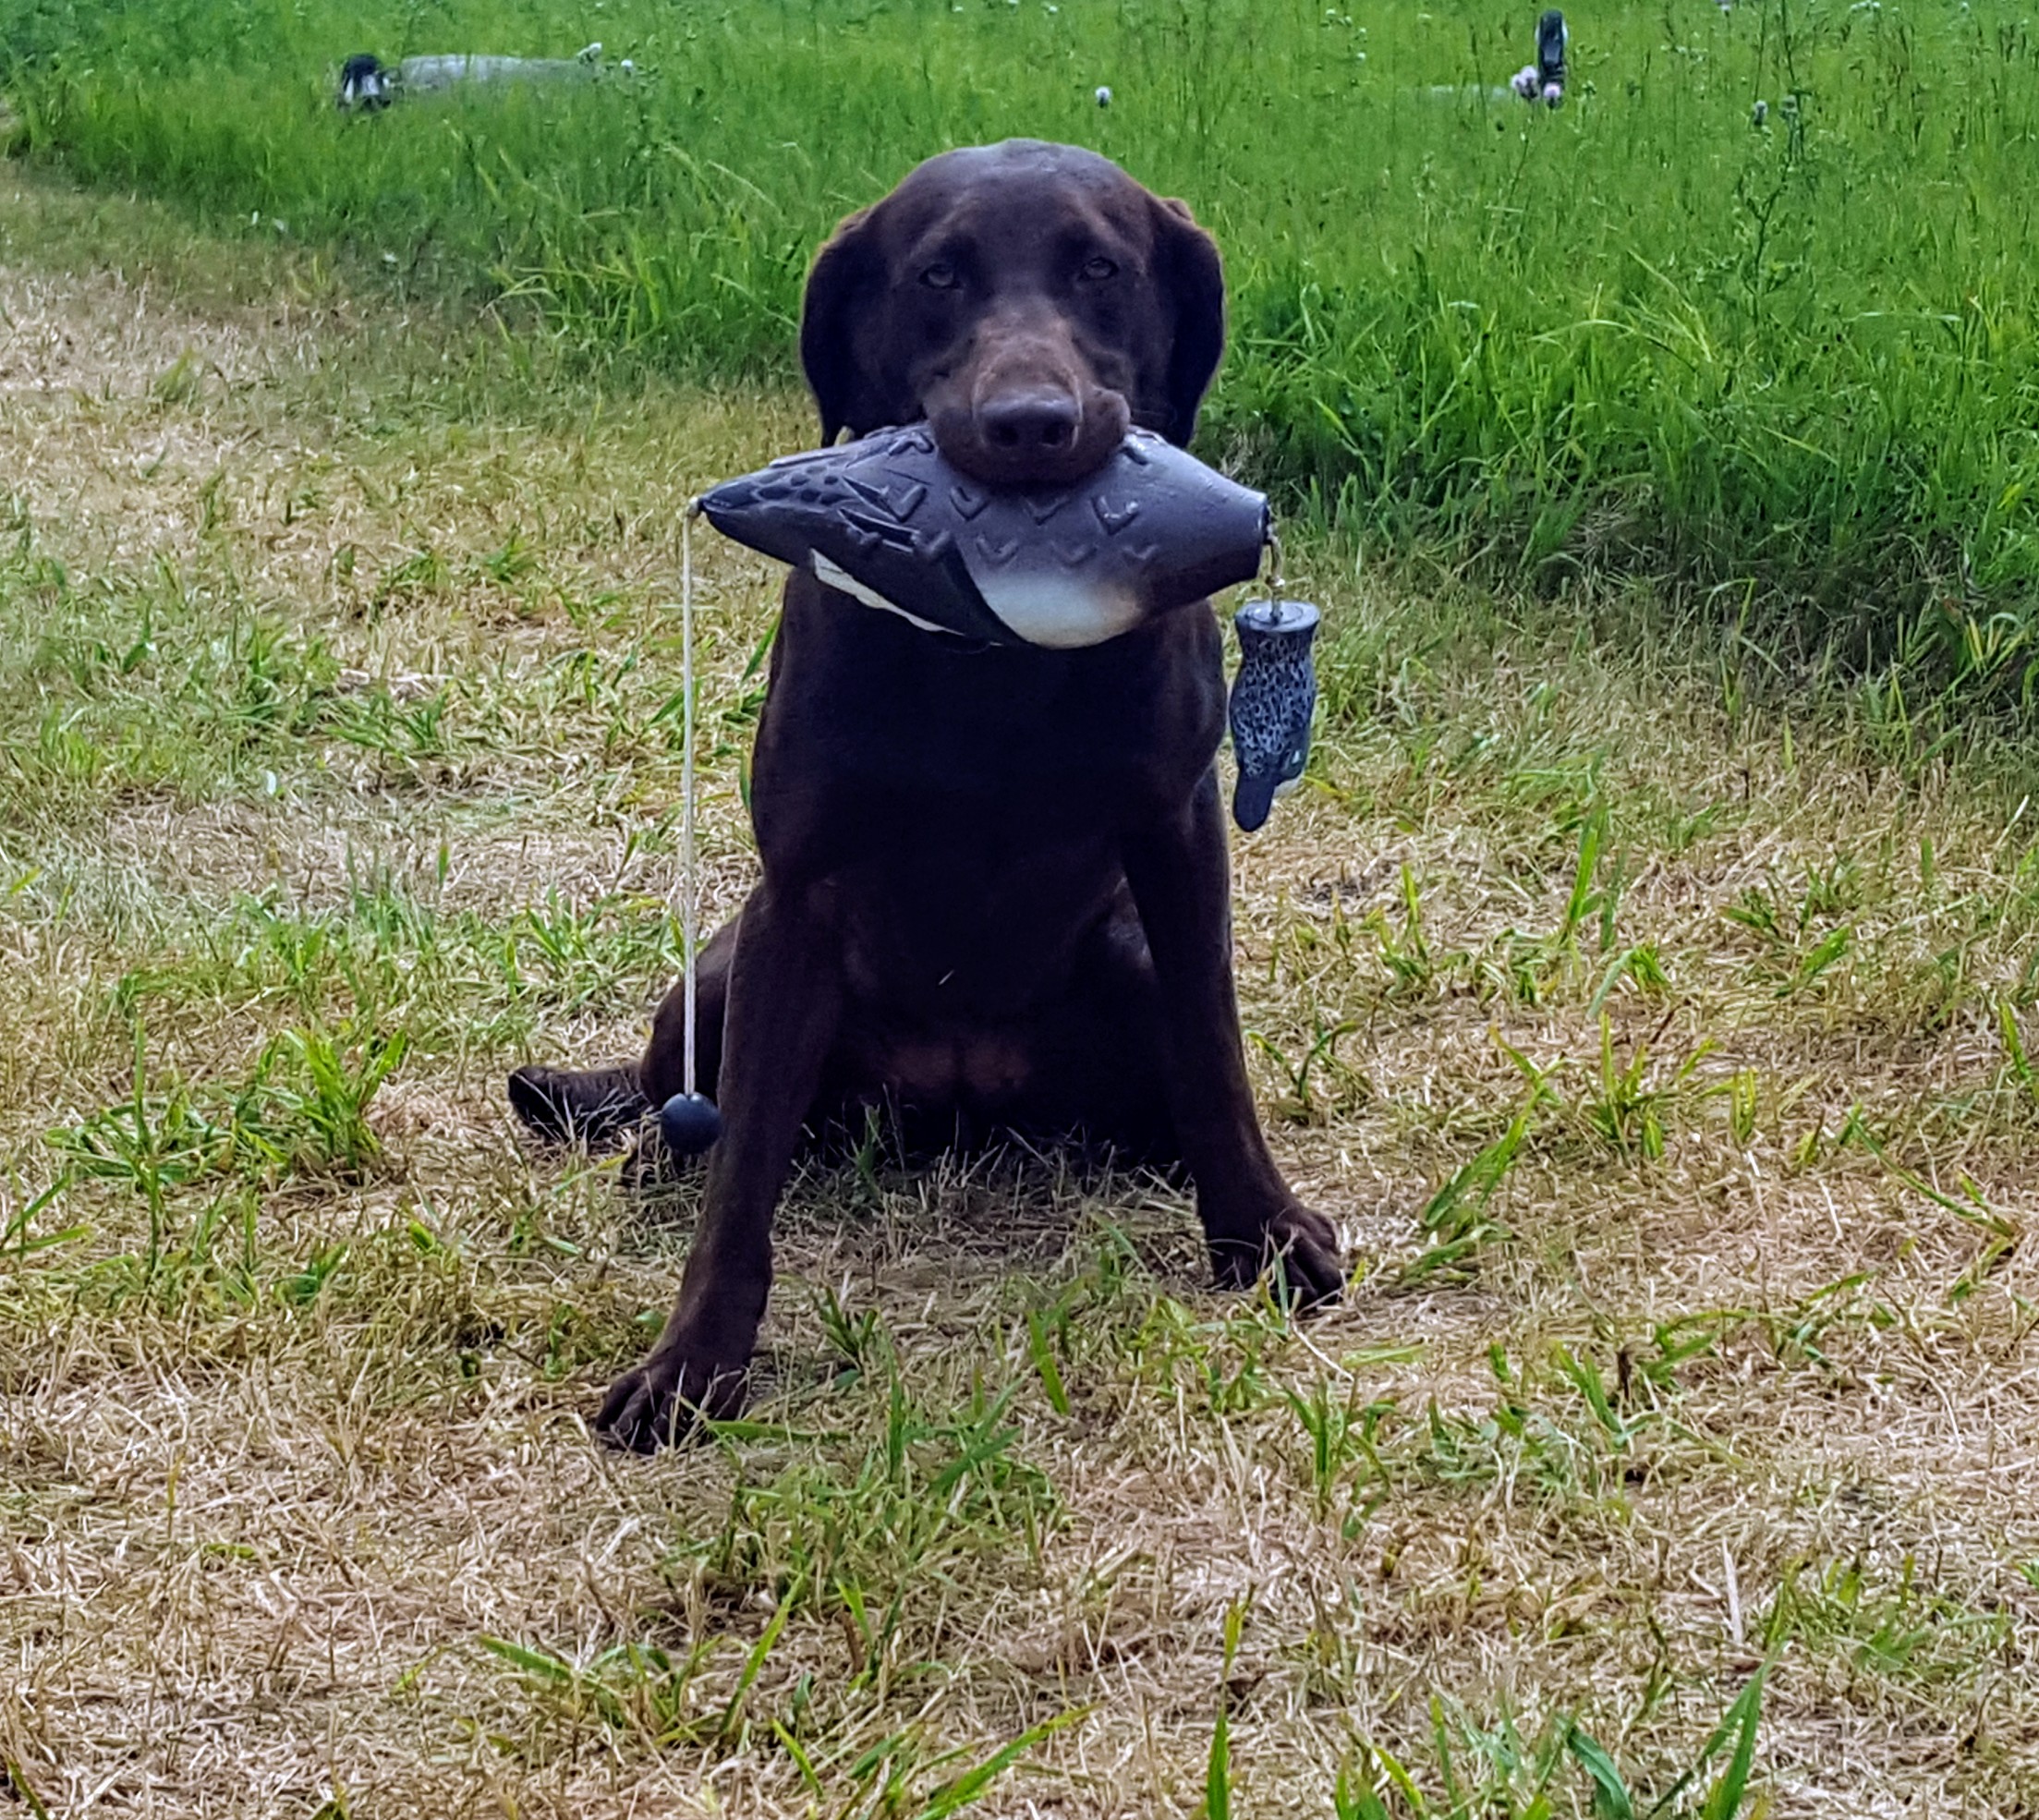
{"type": "Point", "coordinates": [1273, 698]}
{"type": "Point", "coordinates": [689, 1121]}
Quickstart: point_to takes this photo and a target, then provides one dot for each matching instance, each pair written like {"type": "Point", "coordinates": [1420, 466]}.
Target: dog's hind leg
{"type": "Point", "coordinates": [783, 1011]}
{"type": "Point", "coordinates": [597, 1105]}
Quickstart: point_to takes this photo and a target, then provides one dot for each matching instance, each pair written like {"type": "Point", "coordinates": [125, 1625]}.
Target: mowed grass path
{"type": "Point", "coordinates": [1662, 1041]}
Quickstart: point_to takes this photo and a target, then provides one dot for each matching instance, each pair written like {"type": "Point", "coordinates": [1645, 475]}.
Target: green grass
{"type": "Point", "coordinates": [1791, 367]}
{"type": "Point", "coordinates": [1671, 1457]}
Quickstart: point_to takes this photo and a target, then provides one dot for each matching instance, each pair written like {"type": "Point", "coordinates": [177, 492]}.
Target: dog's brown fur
{"type": "Point", "coordinates": [996, 888]}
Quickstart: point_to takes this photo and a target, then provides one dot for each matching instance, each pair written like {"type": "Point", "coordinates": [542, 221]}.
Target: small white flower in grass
{"type": "Point", "coordinates": [1553, 94]}
{"type": "Point", "coordinates": [1759, 115]}
{"type": "Point", "coordinates": [1524, 82]}
{"type": "Point", "coordinates": [1104, 96]}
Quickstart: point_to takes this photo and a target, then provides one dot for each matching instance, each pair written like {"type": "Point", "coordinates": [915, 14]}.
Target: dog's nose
{"type": "Point", "coordinates": [1022, 429]}
{"type": "Point", "coordinates": [1030, 423]}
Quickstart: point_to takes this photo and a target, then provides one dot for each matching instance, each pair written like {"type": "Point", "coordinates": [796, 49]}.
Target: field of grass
{"type": "Point", "coordinates": [1666, 1055]}
{"type": "Point", "coordinates": [1792, 367]}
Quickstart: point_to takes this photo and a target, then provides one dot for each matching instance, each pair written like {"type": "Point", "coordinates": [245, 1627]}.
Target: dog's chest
{"type": "Point", "coordinates": [977, 922]}
{"type": "Point", "coordinates": [860, 695]}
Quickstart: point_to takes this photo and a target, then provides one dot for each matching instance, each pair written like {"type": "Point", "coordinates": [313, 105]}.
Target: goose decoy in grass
{"type": "Point", "coordinates": [1545, 80]}
{"type": "Point", "coordinates": [368, 85]}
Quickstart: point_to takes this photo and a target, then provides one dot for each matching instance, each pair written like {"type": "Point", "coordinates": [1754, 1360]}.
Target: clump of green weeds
{"type": "Point", "coordinates": [1494, 1769]}
{"type": "Point", "coordinates": [302, 1111]}
{"type": "Point", "coordinates": [1800, 385]}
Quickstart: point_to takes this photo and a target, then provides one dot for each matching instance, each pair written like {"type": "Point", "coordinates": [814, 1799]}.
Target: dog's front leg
{"type": "Point", "coordinates": [784, 1003]}
{"type": "Point", "coordinates": [1180, 871]}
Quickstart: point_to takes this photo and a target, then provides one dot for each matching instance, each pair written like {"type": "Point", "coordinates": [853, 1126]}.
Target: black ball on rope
{"type": "Point", "coordinates": [690, 1123]}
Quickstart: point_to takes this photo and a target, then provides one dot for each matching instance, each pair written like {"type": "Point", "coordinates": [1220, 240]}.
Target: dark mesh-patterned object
{"type": "Point", "coordinates": [1273, 698]}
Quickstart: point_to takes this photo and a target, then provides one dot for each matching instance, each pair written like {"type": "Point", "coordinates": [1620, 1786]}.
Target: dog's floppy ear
{"type": "Point", "coordinates": [1194, 278]}
{"type": "Point", "coordinates": [839, 286]}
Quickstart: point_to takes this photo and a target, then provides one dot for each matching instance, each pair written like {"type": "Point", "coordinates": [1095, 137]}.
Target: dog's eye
{"type": "Point", "coordinates": [1097, 268]}
{"type": "Point", "coordinates": [941, 276]}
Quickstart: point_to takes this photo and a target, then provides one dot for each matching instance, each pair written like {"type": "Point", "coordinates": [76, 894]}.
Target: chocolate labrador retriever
{"type": "Point", "coordinates": [995, 881]}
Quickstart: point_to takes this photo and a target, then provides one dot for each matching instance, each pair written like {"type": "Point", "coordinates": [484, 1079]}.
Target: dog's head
{"type": "Point", "coordinates": [364, 83]}
{"type": "Point", "coordinates": [1028, 300]}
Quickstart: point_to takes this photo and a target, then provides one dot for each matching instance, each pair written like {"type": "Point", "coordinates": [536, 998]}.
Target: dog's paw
{"type": "Point", "coordinates": [564, 1107]}
{"type": "Point", "coordinates": [1297, 1246]}
{"type": "Point", "coordinates": [663, 1401]}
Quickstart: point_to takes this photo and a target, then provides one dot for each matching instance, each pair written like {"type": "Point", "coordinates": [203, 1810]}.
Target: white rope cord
{"type": "Point", "coordinates": [690, 891]}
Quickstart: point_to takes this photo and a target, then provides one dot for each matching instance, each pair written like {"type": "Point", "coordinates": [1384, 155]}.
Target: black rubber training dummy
{"type": "Point", "coordinates": [886, 520]}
